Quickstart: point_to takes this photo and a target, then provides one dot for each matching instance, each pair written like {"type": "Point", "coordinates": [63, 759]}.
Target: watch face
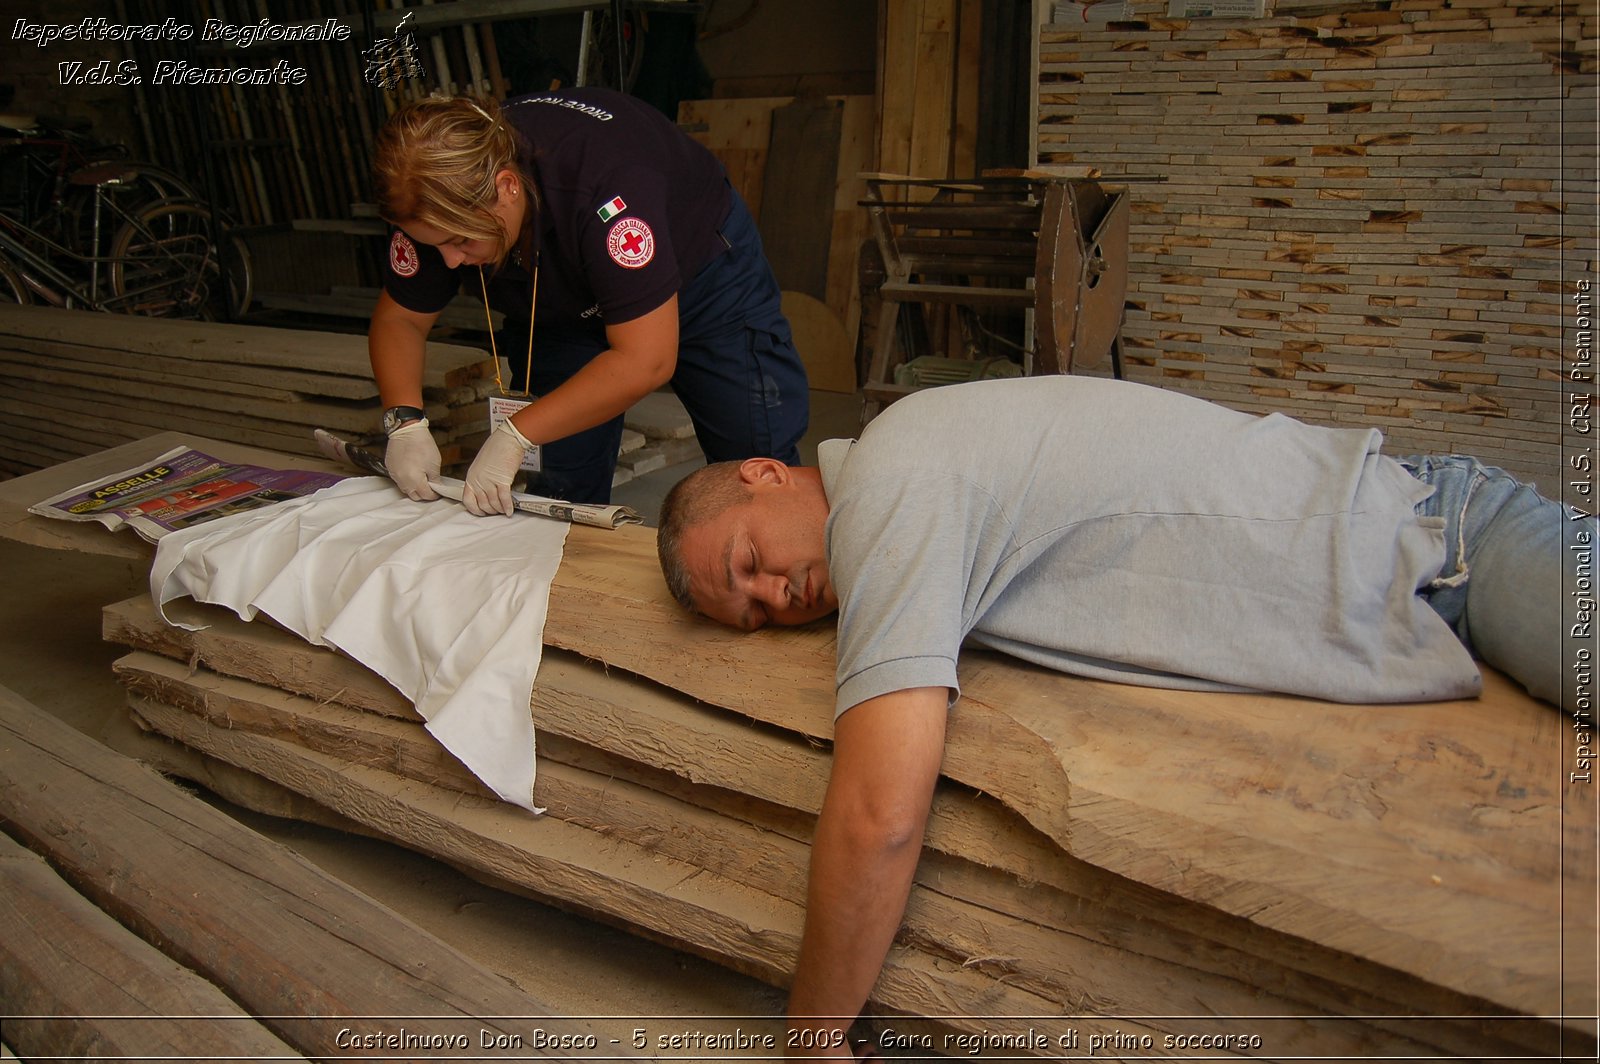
{"type": "Point", "coordinates": [396, 416]}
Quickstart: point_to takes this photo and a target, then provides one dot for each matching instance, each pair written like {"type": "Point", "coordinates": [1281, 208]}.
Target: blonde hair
{"type": "Point", "coordinates": [435, 162]}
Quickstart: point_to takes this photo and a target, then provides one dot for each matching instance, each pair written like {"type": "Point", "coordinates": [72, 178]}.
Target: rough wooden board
{"type": "Point", "coordinates": [826, 348]}
{"type": "Point", "coordinates": [19, 493]}
{"type": "Point", "coordinates": [605, 877]}
{"type": "Point", "coordinates": [88, 392]}
{"type": "Point", "coordinates": [700, 658]}
{"type": "Point", "coordinates": [95, 424]}
{"type": "Point", "coordinates": [1166, 958]}
{"type": "Point", "coordinates": [293, 945]}
{"type": "Point", "coordinates": [1109, 792]}
{"type": "Point", "coordinates": [572, 699]}
{"type": "Point", "coordinates": [714, 663]}
{"type": "Point", "coordinates": [78, 984]}
{"type": "Point", "coordinates": [850, 224]}
{"type": "Point", "coordinates": [1381, 831]}
{"type": "Point", "coordinates": [293, 382]}
{"type": "Point", "coordinates": [83, 423]}
{"type": "Point", "coordinates": [610, 712]}
{"type": "Point", "coordinates": [738, 132]}
{"type": "Point", "coordinates": [1127, 834]}
{"type": "Point", "coordinates": [932, 81]}
{"type": "Point", "coordinates": [798, 194]}
{"type": "Point", "coordinates": [117, 370]}
{"type": "Point", "coordinates": [447, 365]}
{"type": "Point", "coordinates": [715, 917]}
{"type": "Point", "coordinates": [660, 415]}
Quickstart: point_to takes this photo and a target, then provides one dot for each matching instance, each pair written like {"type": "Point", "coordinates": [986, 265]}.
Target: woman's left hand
{"type": "Point", "coordinates": [488, 486]}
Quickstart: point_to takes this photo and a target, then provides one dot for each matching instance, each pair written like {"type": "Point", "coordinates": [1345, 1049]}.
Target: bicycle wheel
{"type": "Point", "coordinates": [12, 288]}
{"type": "Point", "coordinates": [239, 277]}
{"type": "Point", "coordinates": [164, 262]}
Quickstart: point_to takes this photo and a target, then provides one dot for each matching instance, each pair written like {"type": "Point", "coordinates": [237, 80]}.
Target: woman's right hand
{"type": "Point", "coordinates": [413, 460]}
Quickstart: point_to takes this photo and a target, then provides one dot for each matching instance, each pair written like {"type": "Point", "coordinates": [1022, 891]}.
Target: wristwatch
{"type": "Point", "coordinates": [396, 416]}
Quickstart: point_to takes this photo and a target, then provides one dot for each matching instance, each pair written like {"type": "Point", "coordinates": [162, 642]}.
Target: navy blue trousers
{"type": "Point", "coordinates": [738, 374]}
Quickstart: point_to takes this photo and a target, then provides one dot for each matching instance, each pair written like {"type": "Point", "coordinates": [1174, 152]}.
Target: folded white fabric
{"type": "Point", "coordinates": [447, 607]}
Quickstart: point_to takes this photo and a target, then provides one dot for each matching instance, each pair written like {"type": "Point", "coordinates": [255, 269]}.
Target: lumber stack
{"type": "Point", "coordinates": [75, 382]}
{"type": "Point", "coordinates": [1347, 212]}
{"type": "Point", "coordinates": [1102, 861]}
{"type": "Point", "coordinates": [823, 308]}
{"type": "Point", "coordinates": [141, 923]}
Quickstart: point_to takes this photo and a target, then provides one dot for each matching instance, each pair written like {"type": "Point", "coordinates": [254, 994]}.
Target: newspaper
{"type": "Point", "coordinates": [340, 450]}
{"type": "Point", "coordinates": [181, 488]}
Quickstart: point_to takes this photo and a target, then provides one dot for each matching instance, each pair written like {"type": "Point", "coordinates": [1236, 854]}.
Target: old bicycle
{"type": "Point", "coordinates": [111, 235]}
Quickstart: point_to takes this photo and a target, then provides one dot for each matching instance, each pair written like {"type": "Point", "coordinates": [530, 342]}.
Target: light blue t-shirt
{"type": "Point", "coordinates": [1122, 532]}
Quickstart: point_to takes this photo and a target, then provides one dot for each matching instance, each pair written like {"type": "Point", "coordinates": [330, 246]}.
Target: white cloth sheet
{"type": "Point", "coordinates": [447, 607]}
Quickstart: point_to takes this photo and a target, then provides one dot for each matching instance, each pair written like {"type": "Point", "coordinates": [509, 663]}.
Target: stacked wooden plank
{"type": "Point", "coordinates": [1102, 862]}
{"type": "Point", "coordinates": [75, 382]}
{"type": "Point", "coordinates": [826, 312]}
{"type": "Point", "coordinates": [1354, 215]}
{"type": "Point", "coordinates": [139, 922]}
{"type": "Point", "coordinates": [928, 62]}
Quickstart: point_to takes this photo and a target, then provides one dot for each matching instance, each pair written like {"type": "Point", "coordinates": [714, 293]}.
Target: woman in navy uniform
{"type": "Point", "coordinates": [622, 260]}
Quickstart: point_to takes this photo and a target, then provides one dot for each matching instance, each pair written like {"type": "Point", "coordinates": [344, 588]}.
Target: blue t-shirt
{"type": "Point", "coordinates": [628, 212]}
{"type": "Point", "coordinates": [1123, 532]}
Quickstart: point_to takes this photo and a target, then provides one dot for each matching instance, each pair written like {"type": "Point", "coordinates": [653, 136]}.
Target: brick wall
{"type": "Point", "coordinates": [1369, 217]}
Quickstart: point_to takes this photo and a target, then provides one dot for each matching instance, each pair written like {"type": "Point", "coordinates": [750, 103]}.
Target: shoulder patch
{"type": "Point", "coordinates": [403, 255]}
{"type": "Point", "coordinates": [631, 243]}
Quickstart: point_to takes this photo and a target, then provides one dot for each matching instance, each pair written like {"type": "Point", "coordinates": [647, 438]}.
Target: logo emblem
{"type": "Point", "coordinates": [631, 243]}
{"type": "Point", "coordinates": [403, 255]}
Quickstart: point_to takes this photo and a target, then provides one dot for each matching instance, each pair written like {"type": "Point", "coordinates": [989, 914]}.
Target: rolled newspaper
{"type": "Point", "coordinates": [340, 450]}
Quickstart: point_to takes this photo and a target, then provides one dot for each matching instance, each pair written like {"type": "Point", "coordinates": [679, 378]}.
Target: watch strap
{"type": "Point", "coordinates": [396, 416]}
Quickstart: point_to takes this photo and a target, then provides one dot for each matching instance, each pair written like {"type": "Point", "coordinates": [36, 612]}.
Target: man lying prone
{"type": "Point", "coordinates": [1108, 530]}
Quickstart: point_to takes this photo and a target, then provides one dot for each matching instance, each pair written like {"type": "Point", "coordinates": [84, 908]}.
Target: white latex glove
{"type": "Point", "coordinates": [413, 459]}
{"type": "Point", "coordinates": [488, 486]}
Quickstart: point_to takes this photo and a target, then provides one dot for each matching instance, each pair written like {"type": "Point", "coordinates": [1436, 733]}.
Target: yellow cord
{"type": "Point", "coordinates": [527, 376]}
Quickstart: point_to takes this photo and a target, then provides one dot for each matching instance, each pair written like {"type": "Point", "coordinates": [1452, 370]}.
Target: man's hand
{"type": "Point", "coordinates": [488, 487]}
{"type": "Point", "coordinates": [886, 755]}
{"type": "Point", "coordinates": [412, 459]}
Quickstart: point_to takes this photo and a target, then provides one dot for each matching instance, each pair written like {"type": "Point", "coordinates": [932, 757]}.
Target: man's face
{"type": "Point", "coordinates": [761, 562]}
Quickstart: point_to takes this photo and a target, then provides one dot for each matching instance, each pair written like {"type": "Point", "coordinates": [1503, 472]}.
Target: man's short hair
{"type": "Point", "coordinates": [699, 497]}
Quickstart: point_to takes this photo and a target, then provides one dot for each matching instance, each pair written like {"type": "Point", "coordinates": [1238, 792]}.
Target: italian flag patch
{"type": "Point", "coordinates": [612, 209]}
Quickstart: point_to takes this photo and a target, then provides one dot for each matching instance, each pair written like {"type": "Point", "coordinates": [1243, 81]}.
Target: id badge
{"type": "Point", "coordinates": [500, 410]}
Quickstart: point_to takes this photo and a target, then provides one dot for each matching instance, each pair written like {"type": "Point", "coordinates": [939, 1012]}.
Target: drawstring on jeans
{"type": "Point", "coordinates": [1459, 577]}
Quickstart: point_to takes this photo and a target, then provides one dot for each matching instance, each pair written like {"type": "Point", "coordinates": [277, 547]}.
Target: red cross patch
{"type": "Point", "coordinates": [403, 255]}
{"type": "Point", "coordinates": [631, 243]}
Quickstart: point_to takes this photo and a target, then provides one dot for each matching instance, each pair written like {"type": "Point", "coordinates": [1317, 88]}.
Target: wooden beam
{"type": "Point", "coordinates": [1059, 751]}
{"type": "Point", "coordinates": [1142, 951]}
{"type": "Point", "coordinates": [306, 952]}
{"type": "Point", "coordinates": [448, 365]}
{"type": "Point", "coordinates": [78, 984]}
{"type": "Point", "coordinates": [584, 703]}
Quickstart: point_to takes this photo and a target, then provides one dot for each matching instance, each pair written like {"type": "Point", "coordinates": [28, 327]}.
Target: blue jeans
{"type": "Point", "coordinates": [738, 375]}
{"type": "Point", "coordinates": [1512, 560]}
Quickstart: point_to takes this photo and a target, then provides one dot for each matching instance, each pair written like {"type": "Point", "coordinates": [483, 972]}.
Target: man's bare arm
{"type": "Point", "coordinates": [886, 757]}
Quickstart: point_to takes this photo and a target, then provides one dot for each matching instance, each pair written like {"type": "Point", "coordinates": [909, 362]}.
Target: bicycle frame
{"type": "Point", "coordinates": [36, 256]}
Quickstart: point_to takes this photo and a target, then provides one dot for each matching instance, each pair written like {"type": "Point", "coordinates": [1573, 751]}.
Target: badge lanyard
{"type": "Point", "coordinates": [507, 403]}
{"type": "Point", "coordinates": [527, 373]}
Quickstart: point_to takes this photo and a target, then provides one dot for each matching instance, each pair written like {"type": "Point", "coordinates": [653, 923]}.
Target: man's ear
{"type": "Point", "coordinates": [763, 471]}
